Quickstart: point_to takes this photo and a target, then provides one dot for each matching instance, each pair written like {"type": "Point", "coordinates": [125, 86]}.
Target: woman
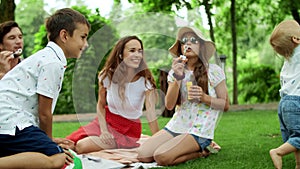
{"type": "Point", "coordinates": [191, 128]}
{"type": "Point", "coordinates": [124, 84]}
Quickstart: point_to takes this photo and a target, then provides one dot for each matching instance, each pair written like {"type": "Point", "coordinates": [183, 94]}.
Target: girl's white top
{"type": "Point", "coordinates": [290, 75]}
{"type": "Point", "coordinates": [196, 118]}
{"type": "Point", "coordinates": [132, 106]}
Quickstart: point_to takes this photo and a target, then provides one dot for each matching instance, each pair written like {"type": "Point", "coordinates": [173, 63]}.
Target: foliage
{"type": "Point", "coordinates": [161, 6]}
{"type": "Point", "coordinates": [158, 67]}
{"type": "Point", "coordinates": [85, 80]}
{"type": "Point", "coordinates": [259, 84]}
{"type": "Point", "coordinates": [29, 23]}
{"type": "Point", "coordinates": [157, 57]}
{"type": "Point", "coordinates": [154, 22]}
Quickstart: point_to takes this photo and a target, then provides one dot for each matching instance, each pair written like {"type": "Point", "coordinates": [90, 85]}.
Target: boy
{"type": "Point", "coordinates": [285, 40]}
{"type": "Point", "coordinates": [30, 90]}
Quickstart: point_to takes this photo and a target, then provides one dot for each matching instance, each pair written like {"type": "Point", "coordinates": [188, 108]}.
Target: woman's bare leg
{"type": "Point", "coordinates": [33, 160]}
{"type": "Point", "coordinates": [91, 144]}
{"type": "Point", "coordinates": [177, 150]}
{"type": "Point", "coordinates": [146, 150]}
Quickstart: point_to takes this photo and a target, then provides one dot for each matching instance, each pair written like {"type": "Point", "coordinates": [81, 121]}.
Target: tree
{"type": "Point", "coordinates": [234, 51]}
{"type": "Point", "coordinates": [7, 10]}
{"type": "Point", "coordinates": [292, 7]}
{"type": "Point", "coordinates": [30, 23]}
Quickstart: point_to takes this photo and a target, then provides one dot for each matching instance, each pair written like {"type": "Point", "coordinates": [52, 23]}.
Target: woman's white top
{"type": "Point", "coordinates": [132, 106]}
{"type": "Point", "coordinates": [193, 117]}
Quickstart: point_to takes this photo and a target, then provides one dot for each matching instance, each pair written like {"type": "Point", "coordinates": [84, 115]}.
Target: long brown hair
{"type": "Point", "coordinates": [200, 69]}
{"type": "Point", "coordinates": [201, 66]}
{"type": "Point", "coordinates": [116, 70]}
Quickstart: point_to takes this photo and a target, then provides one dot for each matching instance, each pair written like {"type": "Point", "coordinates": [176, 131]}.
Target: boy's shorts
{"type": "Point", "coordinates": [289, 119]}
{"type": "Point", "coordinates": [30, 139]}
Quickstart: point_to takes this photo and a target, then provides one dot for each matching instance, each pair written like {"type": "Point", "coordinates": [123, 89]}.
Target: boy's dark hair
{"type": "Point", "coordinates": [6, 27]}
{"type": "Point", "coordinates": [65, 18]}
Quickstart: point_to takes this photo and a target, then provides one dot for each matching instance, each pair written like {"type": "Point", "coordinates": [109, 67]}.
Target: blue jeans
{"type": "Point", "coordinates": [202, 142]}
{"type": "Point", "coordinates": [289, 118]}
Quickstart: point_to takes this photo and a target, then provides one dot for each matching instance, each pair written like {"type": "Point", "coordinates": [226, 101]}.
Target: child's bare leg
{"type": "Point", "coordinates": [277, 159]}
{"type": "Point", "coordinates": [32, 160]}
{"type": "Point", "coordinates": [278, 153]}
{"type": "Point", "coordinates": [297, 157]}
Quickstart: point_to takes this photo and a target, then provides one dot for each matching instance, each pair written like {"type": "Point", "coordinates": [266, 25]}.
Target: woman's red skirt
{"type": "Point", "coordinates": [125, 131]}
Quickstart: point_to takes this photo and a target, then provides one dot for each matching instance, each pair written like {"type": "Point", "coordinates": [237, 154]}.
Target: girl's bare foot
{"type": "Point", "coordinates": [277, 159]}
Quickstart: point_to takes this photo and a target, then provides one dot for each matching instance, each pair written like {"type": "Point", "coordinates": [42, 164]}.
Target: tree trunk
{"type": "Point", "coordinates": [295, 14]}
{"type": "Point", "coordinates": [207, 8]}
{"type": "Point", "coordinates": [163, 74]}
{"type": "Point", "coordinates": [7, 10]}
{"type": "Point", "coordinates": [234, 52]}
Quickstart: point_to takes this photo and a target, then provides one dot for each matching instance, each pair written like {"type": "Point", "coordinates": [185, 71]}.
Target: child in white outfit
{"type": "Point", "coordinates": [285, 40]}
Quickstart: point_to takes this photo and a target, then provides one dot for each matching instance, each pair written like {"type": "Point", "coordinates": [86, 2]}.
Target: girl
{"type": "Point", "coordinates": [285, 40]}
{"type": "Point", "coordinates": [191, 128]}
{"type": "Point", "coordinates": [124, 84]}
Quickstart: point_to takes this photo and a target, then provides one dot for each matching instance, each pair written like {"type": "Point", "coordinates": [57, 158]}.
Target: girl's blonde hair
{"type": "Point", "coordinates": [281, 37]}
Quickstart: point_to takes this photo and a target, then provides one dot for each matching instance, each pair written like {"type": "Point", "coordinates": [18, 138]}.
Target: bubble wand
{"type": "Point", "coordinates": [17, 53]}
{"type": "Point", "coordinates": [183, 57]}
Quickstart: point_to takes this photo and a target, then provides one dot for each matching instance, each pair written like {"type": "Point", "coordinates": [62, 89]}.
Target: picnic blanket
{"type": "Point", "coordinates": [118, 158]}
{"type": "Point", "coordinates": [92, 162]}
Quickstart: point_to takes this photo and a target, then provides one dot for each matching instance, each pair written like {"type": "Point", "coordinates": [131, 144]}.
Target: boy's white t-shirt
{"type": "Point", "coordinates": [290, 75]}
{"type": "Point", "coordinates": [132, 107]}
{"type": "Point", "coordinates": [41, 73]}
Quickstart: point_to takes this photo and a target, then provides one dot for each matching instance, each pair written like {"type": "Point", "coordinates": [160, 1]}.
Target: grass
{"type": "Point", "coordinates": [245, 137]}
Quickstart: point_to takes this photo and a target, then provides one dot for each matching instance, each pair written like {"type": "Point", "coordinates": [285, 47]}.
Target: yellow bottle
{"type": "Point", "coordinates": [188, 85]}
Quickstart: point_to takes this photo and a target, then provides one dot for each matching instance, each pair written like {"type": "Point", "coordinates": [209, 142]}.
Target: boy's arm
{"type": "Point", "coordinates": [45, 114]}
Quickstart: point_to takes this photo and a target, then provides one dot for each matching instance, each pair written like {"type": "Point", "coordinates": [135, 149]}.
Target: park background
{"type": "Point", "coordinates": [240, 30]}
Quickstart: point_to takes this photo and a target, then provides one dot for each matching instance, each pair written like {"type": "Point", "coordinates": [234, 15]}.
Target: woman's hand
{"type": "Point", "coordinates": [178, 66]}
{"type": "Point", "coordinates": [107, 138]}
{"type": "Point", "coordinates": [196, 93]}
{"type": "Point", "coordinates": [65, 143]}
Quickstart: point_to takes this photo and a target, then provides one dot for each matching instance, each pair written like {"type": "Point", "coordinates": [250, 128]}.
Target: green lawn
{"type": "Point", "coordinates": [245, 137]}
